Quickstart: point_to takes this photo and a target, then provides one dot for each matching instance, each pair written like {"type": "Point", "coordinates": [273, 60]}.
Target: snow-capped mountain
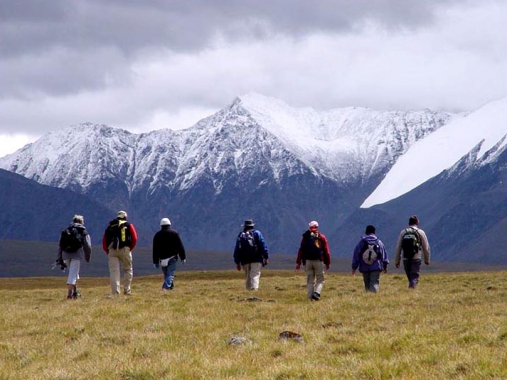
{"type": "Point", "coordinates": [482, 134]}
{"type": "Point", "coordinates": [342, 145]}
{"type": "Point", "coordinates": [258, 158]}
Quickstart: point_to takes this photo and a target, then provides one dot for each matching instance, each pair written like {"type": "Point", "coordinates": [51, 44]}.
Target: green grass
{"type": "Point", "coordinates": [453, 326]}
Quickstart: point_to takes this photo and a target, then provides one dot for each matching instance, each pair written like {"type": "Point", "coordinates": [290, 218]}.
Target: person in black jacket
{"type": "Point", "coordinates": [167, 247]}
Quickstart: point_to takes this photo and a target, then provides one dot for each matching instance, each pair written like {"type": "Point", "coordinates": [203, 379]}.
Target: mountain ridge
{"type": "Point", "coordinates": [251, 160]}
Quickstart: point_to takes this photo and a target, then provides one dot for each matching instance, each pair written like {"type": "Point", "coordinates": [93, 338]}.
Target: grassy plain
{"type": "Point", "coordinates": [453, 326]}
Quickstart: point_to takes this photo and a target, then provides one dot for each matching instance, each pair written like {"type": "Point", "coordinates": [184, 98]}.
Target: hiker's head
{"type": "Point", "coordinates": [413, 221]}
{"type": "Point", "coordinates": [165, 222]}
{"type": "Point", "coordinates": [369, 230]}
{"type": "Point", "coordinates": [313, 225]}
{"type": "Point", "coordinates": [78, 219]}
{"type": "Point", "coordinates": [121, 215]}
{"type": "Point", "coordinates": [248, 224]}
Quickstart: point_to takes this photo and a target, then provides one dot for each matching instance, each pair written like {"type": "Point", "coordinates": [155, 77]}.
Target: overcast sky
{"type": "Point", "coordinates": [145, 65]}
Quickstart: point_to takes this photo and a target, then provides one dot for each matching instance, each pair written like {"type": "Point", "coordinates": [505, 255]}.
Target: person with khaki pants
{"type": "Point", "coordinates": [119, 240]}
{"type": "Point", "coordinates": [314, 254]}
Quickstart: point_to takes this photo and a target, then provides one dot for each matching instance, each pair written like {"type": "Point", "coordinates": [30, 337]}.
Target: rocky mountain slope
{"type": "Point", "coordinates": [256, 158]}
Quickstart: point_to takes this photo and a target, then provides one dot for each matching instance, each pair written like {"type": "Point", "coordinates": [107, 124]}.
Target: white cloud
{"type": "Point", "coordinates": [448, 56]}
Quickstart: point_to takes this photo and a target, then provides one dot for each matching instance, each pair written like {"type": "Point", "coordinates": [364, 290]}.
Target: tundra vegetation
{"type": "Point", "coordinates": [453, 326]}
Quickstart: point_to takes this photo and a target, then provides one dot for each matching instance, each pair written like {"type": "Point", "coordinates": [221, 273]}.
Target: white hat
{"type": "Point", "coordinates": [121, 214]}
{"type": "Point", "coordinates": [165, 222]}
{"type": "Point", "coordinates": [313, 223]}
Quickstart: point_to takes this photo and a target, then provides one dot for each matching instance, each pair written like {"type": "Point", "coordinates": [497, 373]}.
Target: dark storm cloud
{"type": "Point", "coordinates": [146, 64]}
{"type": "Point", "coordinates": [59, 47]}
{"type": "Point", "coordinates": [36, 25]}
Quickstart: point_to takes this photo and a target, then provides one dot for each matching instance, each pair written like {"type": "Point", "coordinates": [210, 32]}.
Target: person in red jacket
{"type": "Point", "coordinates": [314, 255]}
{"type": "Point", "coordinates": [119, 240]}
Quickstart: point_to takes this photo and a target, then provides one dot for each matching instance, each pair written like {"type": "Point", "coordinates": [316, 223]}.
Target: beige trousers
{"type": "Point", "coordinates": [252, 275]}
{"type": "Point", "coordinates": [116, 259]}
{"type": "Point", "coordinates": [314, 277]}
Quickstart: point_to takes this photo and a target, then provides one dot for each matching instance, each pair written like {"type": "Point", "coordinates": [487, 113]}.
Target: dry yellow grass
{"type": "Point", "coordinates": [453, 326]}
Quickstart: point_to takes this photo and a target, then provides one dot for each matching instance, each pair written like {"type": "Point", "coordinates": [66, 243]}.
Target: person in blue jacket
{"type": "Point", "coordinates": [251, 253]}
{"type": "Point", "coordinates": [370, 257]}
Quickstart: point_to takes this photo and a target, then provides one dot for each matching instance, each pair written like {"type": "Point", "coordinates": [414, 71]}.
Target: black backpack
{"type": "Point", "coordinates": [118, 234]}
{"type": "Point", "coordinates": [410, 243]}
{"type": "Point", "coordinates": [71, 239]}
{"type": "Point", "coordinates": [371, 252]}
{"type": "Point", "coordinates": [247, 245]}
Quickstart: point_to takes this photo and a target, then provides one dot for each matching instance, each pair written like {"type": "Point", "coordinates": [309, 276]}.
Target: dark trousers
{"type": "Point", "coordinates": [412, 269]}
{"type": "Point", "coordinates": [371, 281]}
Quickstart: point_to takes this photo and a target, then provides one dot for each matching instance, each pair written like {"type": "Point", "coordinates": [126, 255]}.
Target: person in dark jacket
{"type": "Point", "coordinates": [251, 253]}
{"type": "Point", "coordinates": [370, 257]}
{"type": "Point", "coordinates": [72, 260]}
{"type": "Point", "coordinates": [314, 255]}
{"type": "Point", "coordinates": [167, 247]}
{"type": "Point", "coordinates": [412, 263]}
{"type": "Point", "coordinates": [119, 240]}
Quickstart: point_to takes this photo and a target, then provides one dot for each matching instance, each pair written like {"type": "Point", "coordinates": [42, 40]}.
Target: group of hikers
{"type": "Point", "coordinates": [250, 254]}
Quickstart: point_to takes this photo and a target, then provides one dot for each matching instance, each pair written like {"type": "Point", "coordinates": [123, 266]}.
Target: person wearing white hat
{"type": "Point", "coordinates": [167, 247]}
{"type": "Point", "coordinates": [119, 240]}
{"type": "Point", "coordinates": [314, 254]}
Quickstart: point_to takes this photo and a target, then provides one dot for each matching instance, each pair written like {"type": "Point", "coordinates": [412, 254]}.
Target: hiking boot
{"type": "Point", "coordinates": [76, 295]}
{"type": "Point", "coordinates": [315, 296]}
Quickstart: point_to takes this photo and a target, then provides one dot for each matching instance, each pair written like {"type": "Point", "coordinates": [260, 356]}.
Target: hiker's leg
{"type": "Point", "coordinates": [255, 275]}
{"type": "Point", "coordinates": [366, 280]}
{"type": "Point", "coordinates": [407, 265]}
{"type": "Point", "coordinates": [164, 284]}
{"type": "Point", "coordinates": [248, 283]}
{"type": "Point", "coordinates": [374, 285]}
{"type": "Point", "coordinates": [310, 277]}
{"type": "Point", "coordinates": [169, 273]}
{"type": "Point", "coordinates": [414, 273]}
{"type": "Point", "coordinates": [73, 266]}
{"type": "Point", "coordinates": [114, 270]}
{"type": "Point", "coordinates": [319, 273]}
{"type": "Point", "coordinates": [128, 271]}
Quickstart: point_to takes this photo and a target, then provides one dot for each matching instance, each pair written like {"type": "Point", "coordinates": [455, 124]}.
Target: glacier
{"type": "Point", "coordinates": [485, 128]}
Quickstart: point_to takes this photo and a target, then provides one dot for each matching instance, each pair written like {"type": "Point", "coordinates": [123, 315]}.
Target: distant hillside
{"type": "Point", "coordinates": [31, 211]}
{"type": "Point", "coordinates": [35, 259]}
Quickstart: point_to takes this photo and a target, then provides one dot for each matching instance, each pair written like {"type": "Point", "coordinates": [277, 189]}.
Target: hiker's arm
{"type": "Point", "coordinates": [299, 257]}
{"type": "Point", "coordinates": [397, 252]}
{"type": "Point", "coordinates": [356, 255]}
{"type": "Point", "coordinates": [385, 258]}
{"type": "Point", "coordinates": [133, 234]}
{"type": "Point", "coordinates": [87, 247]}
{"type": "Point", "coordinates": [264, 245]}
{"type": "Point", "coordinates": [327, 253]}
{"type": "Point", "coordinates": [104, 244]}
{"type": "Point", "coordinates": [425, 247]}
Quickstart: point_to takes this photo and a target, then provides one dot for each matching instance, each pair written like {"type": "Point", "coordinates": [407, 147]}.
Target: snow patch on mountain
{"type": "Point", "coordinates": [485, 128]}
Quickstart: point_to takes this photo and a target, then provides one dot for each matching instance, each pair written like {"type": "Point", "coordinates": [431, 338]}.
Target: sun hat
{"type": "Point", "coordinates": [248, 223]}
{"type": "Point", "coordinates": [165, 222]}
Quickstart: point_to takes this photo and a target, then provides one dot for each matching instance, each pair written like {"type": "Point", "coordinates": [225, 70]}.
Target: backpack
{"type": "Point", "coordinates": [71, 240]}
{"type": "Point", "coordinates": [371, 253]}
{"type": "Point", "coordinates": [118, 234]}
{"type": "Point", "coordinates": [312, 246]}
{"type": "Point", "coordinates": [410, 243]}
{"type": "Point", "coordinates": [247, 245]}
